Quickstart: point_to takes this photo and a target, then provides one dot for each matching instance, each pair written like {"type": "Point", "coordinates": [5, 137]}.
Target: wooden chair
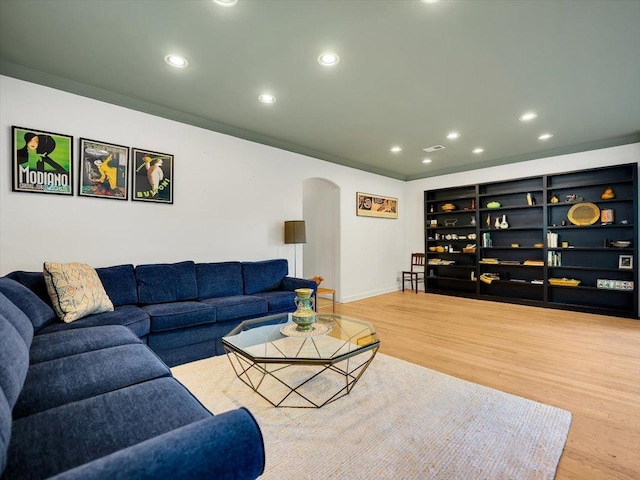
{"type": "Point", "coordinates": [417, 272]}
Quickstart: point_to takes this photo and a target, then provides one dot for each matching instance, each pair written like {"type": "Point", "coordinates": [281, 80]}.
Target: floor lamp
{"type": "Point", "coordinates": [294, 232]}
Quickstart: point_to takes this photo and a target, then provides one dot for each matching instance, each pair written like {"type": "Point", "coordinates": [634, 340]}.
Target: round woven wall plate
{"type": "Point", "coordinates": [584, 214]}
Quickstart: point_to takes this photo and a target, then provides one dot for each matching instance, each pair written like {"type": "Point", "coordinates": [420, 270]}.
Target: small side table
{"type": "Point", "coordinates": [327, 291]}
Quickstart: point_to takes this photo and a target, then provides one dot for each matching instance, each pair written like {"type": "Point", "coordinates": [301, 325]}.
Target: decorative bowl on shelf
{"type": "Point", "coordinates": [564, 282]}
{"type": "Point", "coordinates": [448, 207]}
{"type": "Point", "coordinates": [584, 213]}
{"type": "Point", "coordinates": [432, 249]}
{"type": "Point", "coordinates": [621, 243]}
{"type": "Point", "coordinates": [494, 205]}
{"type": "Point", "coordinates": [538, 245]}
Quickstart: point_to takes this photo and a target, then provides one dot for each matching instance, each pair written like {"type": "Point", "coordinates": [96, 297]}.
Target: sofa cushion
{"type": "Point", "coordinates": [279, 301]}
{"type": "Point", "coordinates": [75, 290]}
{"type": "Point", "coordinates": [263, 276]}
{"type": "Point", "coordinates": [14, 361]}
{"type": "Point", "coordinates": [241, 306]}
{"type": "Point", "coordinates": [64, 343]}
{"type": "Point", "coordinates": [34, 281]}
{"type": "Point", "coordinates": [70, 379]}
{"type": "Point", "coordinates": [131, 316]}
{"type": "Point", "coordinates": [180, 355]}
{"type": "Point", "coordinates": [164, 282]}
{"type": "Point", "coordinates": [219, 279]}
{"type": "Point", "coordinates": [159, 341]}
{"type": "Point", "coordinates": [39, 312]}
{"type": "Point", "coordinates": [5, 429]}
{"type": "Point", "coordinates": [61, 438]}
{"type": "Point", "coordinates": [120, 284]}
{"type": "Point", "coordinates": [176, 315]}
{"type": "Point", "coordinates": [17, 318]}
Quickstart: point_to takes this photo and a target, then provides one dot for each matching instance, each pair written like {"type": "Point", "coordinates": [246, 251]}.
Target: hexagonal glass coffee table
{"type": "Point", "coordinates": [290, 368]}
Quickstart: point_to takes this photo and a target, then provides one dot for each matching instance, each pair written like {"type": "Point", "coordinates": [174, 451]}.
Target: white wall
{"type": "Point", "coordinates": [321, 208]}
{"type": "Point", "coordinates": [231, 198]}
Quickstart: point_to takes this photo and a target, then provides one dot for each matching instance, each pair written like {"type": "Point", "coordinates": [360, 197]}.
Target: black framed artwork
{"type": "Point", "coordinates": [152, 176]}
{"type": "Point", "coordinates": [104, 170]}
{"type": "Point", "coordinates": [42, 161]}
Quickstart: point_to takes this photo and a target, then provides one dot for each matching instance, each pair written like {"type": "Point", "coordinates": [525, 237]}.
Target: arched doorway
{"type": "Point", "coordinates": [321, 212]}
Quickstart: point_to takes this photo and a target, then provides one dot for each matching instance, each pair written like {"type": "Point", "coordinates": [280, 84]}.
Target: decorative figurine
{"type": "Point", "coordinates": [608, 194]}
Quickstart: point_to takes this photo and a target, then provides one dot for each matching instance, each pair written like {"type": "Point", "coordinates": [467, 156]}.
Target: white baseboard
{"type": "Point", "coordinates": [373, 293]}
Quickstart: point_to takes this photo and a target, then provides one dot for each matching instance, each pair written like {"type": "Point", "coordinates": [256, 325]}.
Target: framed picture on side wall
{"type": "Point", "coordinates": [42, 161]}
{"type": "Point", "coordinates": [152, 176]}
{"type": "Point", "coordinates": [103, 170]}
{"type": "Point", "coordinates": [369, 205]}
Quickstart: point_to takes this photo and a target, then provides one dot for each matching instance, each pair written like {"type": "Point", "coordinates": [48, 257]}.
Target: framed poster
{"type": "Point", "coordinates": [369, 205]}
{"type": "Point", "coordinates": [103, 170]}
{"type": "Point", "coordinates": [152, 176]}
{"type": "Point", "coordinates": [42, 161]}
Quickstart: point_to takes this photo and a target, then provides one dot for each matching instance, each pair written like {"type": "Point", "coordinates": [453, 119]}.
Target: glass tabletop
{"type": "Point", "coordinates": [275, 339]}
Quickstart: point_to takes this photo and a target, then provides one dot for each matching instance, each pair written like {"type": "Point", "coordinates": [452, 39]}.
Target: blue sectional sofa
{"type": "Point", "coordinates": [182, 310]}
{"type": "Point", "coordinates": [96, 403]}
{"type": "Point", "coordinates": [95, 399]}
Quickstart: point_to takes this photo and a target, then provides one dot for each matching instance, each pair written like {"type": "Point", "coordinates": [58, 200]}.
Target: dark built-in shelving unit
{"type": "Point", "coordinates": [526, 253]}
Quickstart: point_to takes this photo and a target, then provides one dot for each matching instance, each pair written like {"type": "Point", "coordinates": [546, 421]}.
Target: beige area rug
{"type": "Point", "coordinates": [401, 421]}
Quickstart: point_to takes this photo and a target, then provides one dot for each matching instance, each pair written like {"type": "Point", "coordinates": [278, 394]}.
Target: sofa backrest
{"type": "Point", "coordinates": [120, 284]}
{"type": "Point", "coordinates": [263, 276]}
{"type": "Point", "coordinates": [166, 282]}
{"type": "Point", "coordinates": [16, 333]}
{"type": "Point", "coordinates": [222, 279]}
{"type": "Point", "coordinates": [39, 312]}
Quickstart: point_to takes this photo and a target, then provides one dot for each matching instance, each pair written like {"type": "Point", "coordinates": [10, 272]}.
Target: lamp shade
{"type": "Point", "coordinates": [294, 232]}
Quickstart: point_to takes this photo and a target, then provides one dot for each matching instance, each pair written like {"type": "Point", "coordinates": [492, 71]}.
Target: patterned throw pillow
{"type": "Point", "coordinates": [75, 290]}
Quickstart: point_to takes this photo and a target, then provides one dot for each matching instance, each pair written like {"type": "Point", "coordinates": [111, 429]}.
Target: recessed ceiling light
{"type": "Point", "coordinates": [453, 135]}
{"type": "Point", "coordinates": [526, 117]}
{"type": "Point", "coordinates": [426, 160]}
{"type": "Point", "coordinates": [225, 3]}
{"type": "Point", "coordinates": [429, 1]}
{"type": "Point", "coordinates": [545, 136]}
{"type": "Point", "coordinates": [478, 150]}
{"type": "Point", "coordinates": [176, 61]}
{"type": "Point", "coordinates": [396, 149]}
{"type": "Point", "coordinates": [267, 98]}
{"type": "Point", "coordinates": [328, 59]}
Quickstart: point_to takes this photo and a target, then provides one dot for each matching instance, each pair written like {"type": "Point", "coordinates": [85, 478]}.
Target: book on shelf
{"type": "Point", "coordinates": [554, 259]}
{"type": "Point", "coordinates": [552, 239]}
{"type": "Point", "coordinates": [533, 263]}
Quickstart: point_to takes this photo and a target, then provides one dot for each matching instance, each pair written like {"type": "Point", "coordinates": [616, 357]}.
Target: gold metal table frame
{"type": "Point", "coordinates": [301, 371]}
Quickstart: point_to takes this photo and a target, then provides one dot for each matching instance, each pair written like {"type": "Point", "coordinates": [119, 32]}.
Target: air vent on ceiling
{"type": "Point", "coordinates": [435, 148]}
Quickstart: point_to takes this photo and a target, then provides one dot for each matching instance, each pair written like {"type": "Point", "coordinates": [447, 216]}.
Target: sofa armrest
{"type": "Point", "coordinates": [291, 283]}
{"type": "Point", "coordinates": [225, 446]}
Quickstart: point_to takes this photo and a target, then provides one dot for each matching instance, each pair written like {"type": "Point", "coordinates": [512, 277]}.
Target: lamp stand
{"type": "Point", "coordinates": [295, 259]}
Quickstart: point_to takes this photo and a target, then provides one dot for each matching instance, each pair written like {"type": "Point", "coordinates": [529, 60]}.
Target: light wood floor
{"type": "Point", "coordinates": [586, 364]}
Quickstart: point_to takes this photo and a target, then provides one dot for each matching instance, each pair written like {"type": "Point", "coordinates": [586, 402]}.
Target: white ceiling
{"type": "Point", "coordinates": [409, 72]}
